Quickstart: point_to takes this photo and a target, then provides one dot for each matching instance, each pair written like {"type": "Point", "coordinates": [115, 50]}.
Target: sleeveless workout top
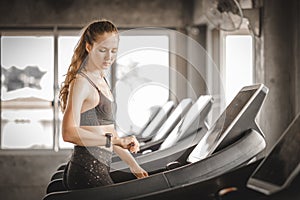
{"type": "Point", "coordinates": [102, 114]}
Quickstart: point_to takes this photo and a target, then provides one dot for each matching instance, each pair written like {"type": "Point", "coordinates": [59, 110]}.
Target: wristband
{"type": "Point", "coordinates": [108, 139]}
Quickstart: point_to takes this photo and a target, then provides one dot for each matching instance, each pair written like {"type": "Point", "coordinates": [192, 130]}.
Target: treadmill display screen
{"type": "Point", "coordinates": [234, 109]}
{"type": "Point", "coordinates": [283, 159]}
{"type": "Point", "coordinates": [210, 141]}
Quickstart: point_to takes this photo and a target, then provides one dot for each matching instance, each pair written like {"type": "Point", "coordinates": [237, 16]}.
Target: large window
{"type": "Point", "coordinates": [32, 64]}
{"type": "Point", "coordinates": [27, 91]}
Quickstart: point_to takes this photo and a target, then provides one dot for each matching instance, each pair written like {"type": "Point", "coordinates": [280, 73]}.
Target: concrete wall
{"type": "Point", "coordinates": [26, 174]}
{"type": "Point", "coordinates": [297, 55]}
{"type": "Point", "coordinates": [128, 13]}
{"type": "Point", "coordinates": [281, 65]}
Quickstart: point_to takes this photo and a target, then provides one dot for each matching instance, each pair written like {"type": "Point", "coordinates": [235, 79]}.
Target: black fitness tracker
{"type": "Point", "coordinates": [108, 139]}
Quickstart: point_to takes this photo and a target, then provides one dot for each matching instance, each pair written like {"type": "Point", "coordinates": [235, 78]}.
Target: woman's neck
{"type": "Point", "coordinates": [96, 73]}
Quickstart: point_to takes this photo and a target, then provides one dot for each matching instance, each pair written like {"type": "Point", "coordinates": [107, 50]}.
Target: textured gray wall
{"type": "Point", "coordinates": [280, 62]}
{"type": "Point", "coordinates": [125, 13]}
{"type": "Point", "coordinates": [25, 174]}
{"type": "Point", "coordinates": [297, 56]}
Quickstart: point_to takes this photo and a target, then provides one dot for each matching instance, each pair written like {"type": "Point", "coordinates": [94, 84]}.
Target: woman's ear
{"type": "Point", "coordinates": [88, 47]}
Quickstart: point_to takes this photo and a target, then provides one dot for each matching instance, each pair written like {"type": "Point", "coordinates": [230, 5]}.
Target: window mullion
{"type": "Point", "coordinates": [55, 88]}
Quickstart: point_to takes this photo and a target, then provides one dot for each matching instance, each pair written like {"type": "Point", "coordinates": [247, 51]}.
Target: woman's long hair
{"type": "Point", "coordinates": [89, 35]}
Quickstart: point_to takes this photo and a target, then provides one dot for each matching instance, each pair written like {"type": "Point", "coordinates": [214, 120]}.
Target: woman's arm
{"type": "Point", "coordinates": [133, 165]}
{"type": "Point", "coordinates": [125, 155]}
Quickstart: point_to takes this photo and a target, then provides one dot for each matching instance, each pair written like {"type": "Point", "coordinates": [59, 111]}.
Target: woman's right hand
{"type": "Point", "coordinates": [129, 142]}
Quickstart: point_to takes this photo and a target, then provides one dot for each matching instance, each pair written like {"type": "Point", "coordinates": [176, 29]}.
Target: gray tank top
{"type": "Point", "coordinates": [102, 114]}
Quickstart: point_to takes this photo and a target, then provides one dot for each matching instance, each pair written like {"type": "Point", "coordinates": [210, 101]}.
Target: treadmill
{"type": "Point", "coordinates": [233, 140]}
{"type": "Point", "coordinates": [281, 165]}
{"type": "Point", "coordinates": [274, 177]}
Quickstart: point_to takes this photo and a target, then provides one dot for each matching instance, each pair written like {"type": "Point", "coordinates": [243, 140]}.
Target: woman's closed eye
{"type": "Point", "coordinates": [104, 50]}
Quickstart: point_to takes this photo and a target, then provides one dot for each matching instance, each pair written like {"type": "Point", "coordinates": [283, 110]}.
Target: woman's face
{"type": "Point", "coordinates": [104, 51]}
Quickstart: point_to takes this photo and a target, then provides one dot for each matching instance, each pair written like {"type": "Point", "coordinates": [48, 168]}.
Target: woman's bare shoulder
{"type": "Point", "coordinates": [80, 81]}
{"type": "Point", "coordinates": [80, 85]}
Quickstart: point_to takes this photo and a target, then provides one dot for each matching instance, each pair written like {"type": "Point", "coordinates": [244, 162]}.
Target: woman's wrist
{"type": "Point", "coordinates": [134, 166]}
{"type": "Point", "coordinates": [116, 141]}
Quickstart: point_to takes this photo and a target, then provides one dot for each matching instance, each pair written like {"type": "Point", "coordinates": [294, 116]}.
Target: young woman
{"type": "Point", "coordinates": [88, 107]}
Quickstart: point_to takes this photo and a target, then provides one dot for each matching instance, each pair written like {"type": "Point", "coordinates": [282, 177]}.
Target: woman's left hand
{"type": "Point", "coordinates": [129, 142]}
{"type": "Point", "coordinates": [134, 146]}
{"type": "Point", "coordinates": [139, 172]}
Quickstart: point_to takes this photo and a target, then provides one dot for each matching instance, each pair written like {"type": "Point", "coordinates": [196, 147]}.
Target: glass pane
{"type": "Point", "coordinates": [66, 46]}
{"type": "Point", "coordinates": [27, 67]}
{"type": "Point", "coordinates": [27, 128]}
{"type": "Point", "coordinates": [239, 64]}
{"type": "Point", "coordinates": [142, 75]}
